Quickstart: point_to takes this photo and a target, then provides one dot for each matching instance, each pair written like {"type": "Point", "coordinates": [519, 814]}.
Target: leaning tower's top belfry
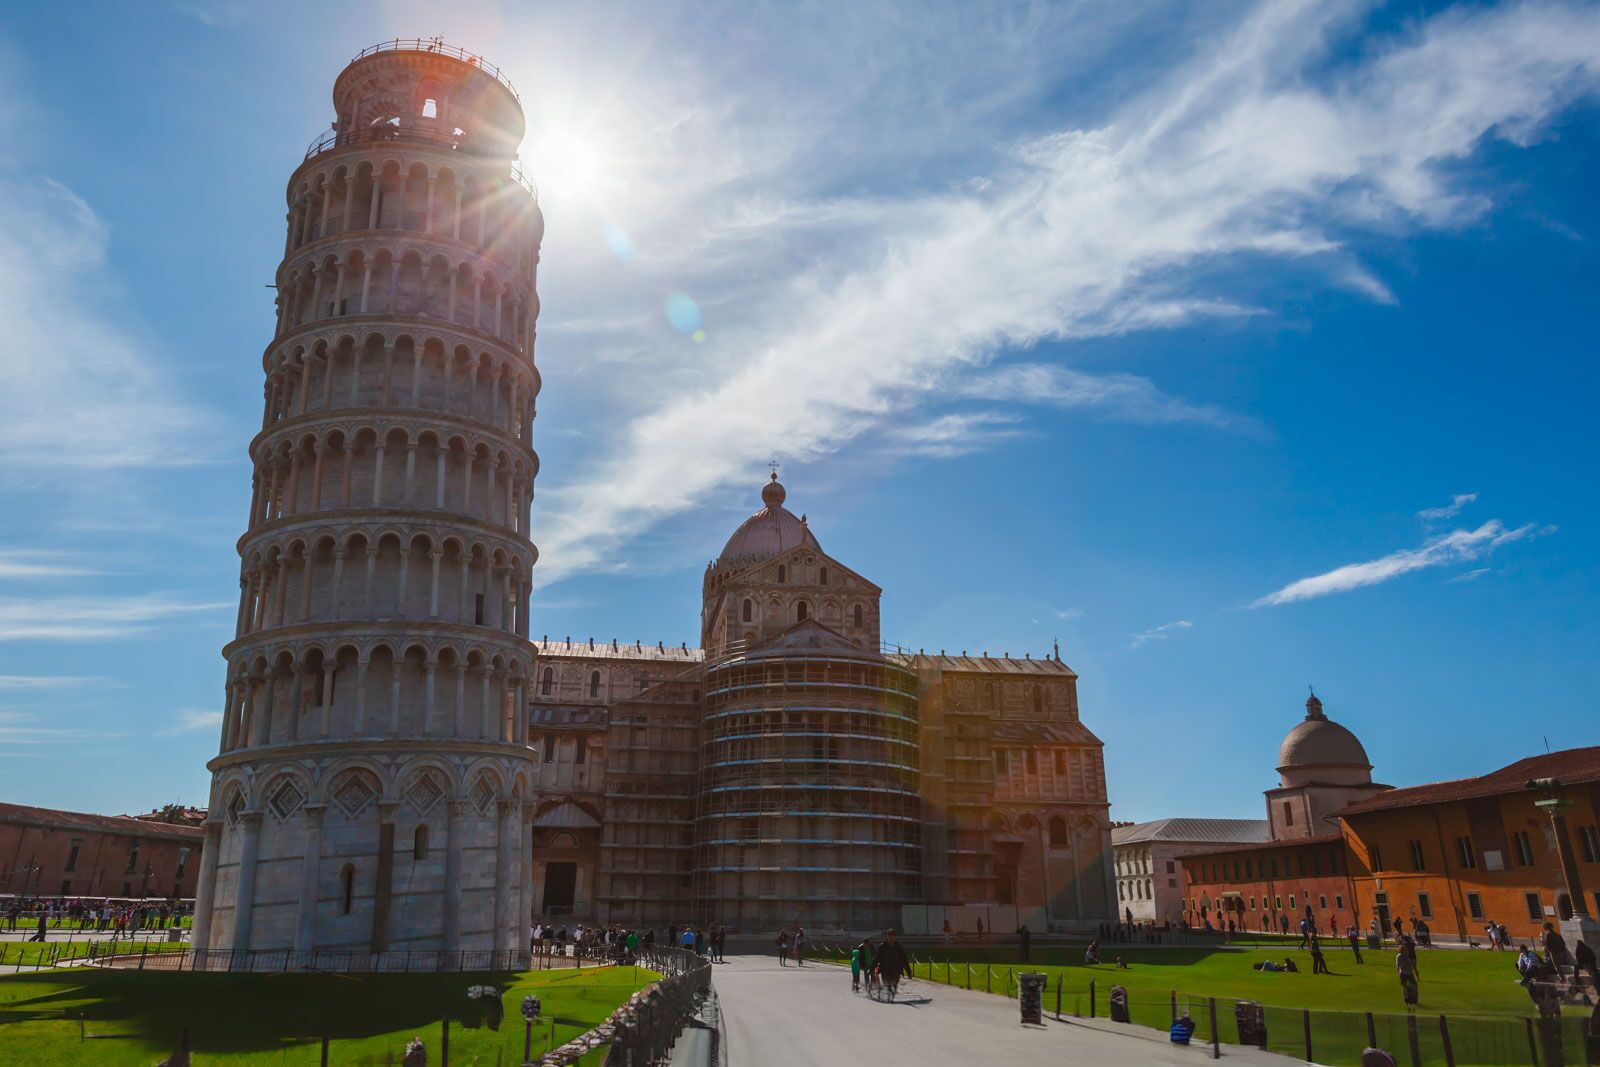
{"type": "Point", "coordinates": [369, 793]}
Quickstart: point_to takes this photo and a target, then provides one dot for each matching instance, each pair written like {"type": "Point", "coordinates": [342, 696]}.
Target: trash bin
{"type": "Point", "coordinates": [1030, 996]}
{"type": "Point", "coordinates": [1374, 942]}
{"type": "Point", "coordinates": [1251, 1020]}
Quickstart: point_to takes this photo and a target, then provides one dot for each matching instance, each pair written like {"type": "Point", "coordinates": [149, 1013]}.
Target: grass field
{"type": "Point", "coordinates": [21, 955]}
{"type": "Point", "coordinates": [109, 1018]}
{"type": "Point", "coordinates": [1478, 991]}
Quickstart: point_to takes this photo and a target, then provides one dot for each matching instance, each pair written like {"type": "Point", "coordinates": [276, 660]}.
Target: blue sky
{"type": "Point", "coordinates": [1239, 346]}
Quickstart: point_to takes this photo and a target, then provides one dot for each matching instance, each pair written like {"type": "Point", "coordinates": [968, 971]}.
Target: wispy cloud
{"type": "Point", "coordinates": [29, 682]}
{"type": "Point", "coordinates": [835, 315]}
{"type": "Point", "coordinates": [192, 719]}
{"type": "Point", "coordinates": [1068, 613]}
{"type": "Point", "coordinates": [1458, 546]}
{"type": "Point", "coordinates": [90, 618]}
{"type": "Point", "coordinates": [38, 563]}
{"type": "Point", "coordinates": [1470, 576]}
{"type": "Point", "coordinates": [948, 436]}
{"type": "Point", "coordinates": [1162, 632]}
{"type": "Point", "coordinates": [18, 728]}
{"type": "Point", "coordinates": [1120, 397]}
{"type": "Point", "coordinates": [1450, 510]}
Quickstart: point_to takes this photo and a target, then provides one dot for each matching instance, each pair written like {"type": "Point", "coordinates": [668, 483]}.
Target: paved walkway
{"type": "Point", "coordinates": [802, 1016]}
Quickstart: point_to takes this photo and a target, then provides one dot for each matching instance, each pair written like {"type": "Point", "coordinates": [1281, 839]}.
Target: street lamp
{"type": "Point", "coordinates": [1555, 802]}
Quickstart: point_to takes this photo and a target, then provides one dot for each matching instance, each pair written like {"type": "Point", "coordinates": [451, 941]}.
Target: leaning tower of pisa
{"type": "Point", "coordinates": [368, 795]}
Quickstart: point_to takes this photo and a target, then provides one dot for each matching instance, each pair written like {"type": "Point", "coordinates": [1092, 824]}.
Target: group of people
{"type": "Point", "coordinates": [1557, 959]}
{"type": "Point", "coordinates": [881, 965]}
{"type": "Point", "coordinates": [618, 942]}
{"type": "Point", "coordinates": [122, 920]}
{"type": "Point", "coordinates": [787, 943]}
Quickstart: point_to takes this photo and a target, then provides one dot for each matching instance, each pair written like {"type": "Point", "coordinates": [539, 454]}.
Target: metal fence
{"type": "Point", "coordinates": [1318, 1035]}
{"type": "Point", "coordinates": [260, 961]}
{"type": "Point", "coordinates": [643, 1031]}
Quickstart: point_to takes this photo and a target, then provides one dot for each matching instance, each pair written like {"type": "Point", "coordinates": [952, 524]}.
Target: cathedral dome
{"type": "Point", "coordinates": [1319, 742]}
{"type": "Point", "coordinates": [769, 532]}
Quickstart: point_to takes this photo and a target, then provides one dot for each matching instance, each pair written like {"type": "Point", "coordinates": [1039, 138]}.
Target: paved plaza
{"type": "Point", "coordinates": [802, 1016]}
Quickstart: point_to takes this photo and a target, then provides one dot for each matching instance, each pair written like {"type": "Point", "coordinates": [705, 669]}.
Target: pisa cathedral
{"type": "Point", "coordinates": [402, 769]}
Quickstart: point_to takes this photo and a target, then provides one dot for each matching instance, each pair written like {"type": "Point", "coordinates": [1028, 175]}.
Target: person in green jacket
{"type": "Point", "coordinates": [633, 944]}
{"type": "Point", "coordinates": [855, 970]}
{"type": "Point", "coordinates": [863, 955]}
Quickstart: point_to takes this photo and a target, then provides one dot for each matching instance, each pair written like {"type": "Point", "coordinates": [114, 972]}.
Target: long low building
{"type": "Point", "coordinates": [49, 853]}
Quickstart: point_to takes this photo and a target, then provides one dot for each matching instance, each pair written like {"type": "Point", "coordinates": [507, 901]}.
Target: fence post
{"type": "Point", "coordinates": [1444, 1035]}
{"type": "Point", "coordinates": [988, 974]}
{"type": "Point", "coordinates": [1411, 1038]}
{"type": "Point", "coordinates": [324, 1050]}
{"type": "Point", "coordinates": [1174, 997]}
{"type": "Point", "coordinates": [1091, 998]}
{"type": "Point", "coordinates": [143, 952]}
{"type": "Point", "coordinates": [1305, 1017]}
{"type": "Point", "coordinates": [969, 974]}
{"type": "Point", "coordinates": [1216, 1041]}
{"type": "Point", "coordinates": [444, 1042]}
{"type": "Point", "coordinates": [1058, 998]}
{"type": "Point", "coordinates": [1372, 1032]}
{"type": "Point", "coordinates": [1533, 1045]}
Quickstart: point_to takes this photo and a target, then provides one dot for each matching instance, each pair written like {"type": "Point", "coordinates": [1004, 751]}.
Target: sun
{"type": "Point", "coordinates": [569, 162]}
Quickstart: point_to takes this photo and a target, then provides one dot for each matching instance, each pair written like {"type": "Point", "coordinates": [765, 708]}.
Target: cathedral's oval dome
{"type": "Point", "coordinates": [1320, 742]}
{"type": "Point", "coordinates": [769, 532]}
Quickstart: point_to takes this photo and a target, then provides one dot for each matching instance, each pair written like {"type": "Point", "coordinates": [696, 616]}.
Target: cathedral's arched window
{"type": "Point", "coordinates": [749, 610]}
{"type": "Point", "coordinates": [1058, 832]}
{"type": "Point", "coordinates": [594, 685]}
{"type": "Point", "coordinates": [419, 843]}
{"type": "Point", "coordinates": [347, 888]}
{"type": "Point", "coordinates": [823, 578]}
{"type": "Point", "coordinates": [783, 574]}
{"type": "Point", "coordinates": [857, 616]}
{"type": "Point", "coordinates": [547, 682]}
{"type": "Point", "coordinates": [800, 610]}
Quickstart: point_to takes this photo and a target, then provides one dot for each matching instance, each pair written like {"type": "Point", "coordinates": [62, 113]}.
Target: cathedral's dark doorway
{"type": "Point", "coordinates": [560, 885]}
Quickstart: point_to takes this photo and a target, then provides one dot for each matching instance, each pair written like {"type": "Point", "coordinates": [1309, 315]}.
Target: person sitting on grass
{"type": "Point", "coordinates": [1290, 966]}
{"type": "Point", "coordinates": [1122, 964]}
{"type": "Point", "coordinates": [1266, 966]}
{"type": "Point", "coordinates": [1182, 1029]}
{"type": "Point", "coordinates": [1092, 953]}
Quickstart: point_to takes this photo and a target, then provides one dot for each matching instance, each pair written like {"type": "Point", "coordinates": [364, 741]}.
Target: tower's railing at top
{"type": "Point", "coordinates": [416, 135]}
{"type": "Point", "coordinates": [437, 46]}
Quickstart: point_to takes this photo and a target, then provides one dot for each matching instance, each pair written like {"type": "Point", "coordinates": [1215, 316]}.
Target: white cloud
{"type": "Point", "coordinates": [1450, 510]}
{"type": "Point", "coordinates": [81, 389]}
{"type": "Point", "coordinates": [38, 563]}
{"type": "Point", "coordinates": [1122, 397]}
{"type": "Point", "coordinates": [20, 682]}
{"type": "Point", "coordinates": [947, 436]}
{"type": "Point", "coordinates": [1470, 576]}
{"type": "Point", "coordinates": [1068, 613]}
{"type": "Point", "coordinates": [1162, 632]}
{"type": "Point", "coordinates": [191, 719]}
{"type": "Point", "coordinates": [1458, 546]}
{"type": "Point", "coordinates": [90, 618]}
{"type": "Point", "coordinates": [829, 314]}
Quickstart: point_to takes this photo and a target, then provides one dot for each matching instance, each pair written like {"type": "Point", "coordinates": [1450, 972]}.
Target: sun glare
{"type": "Point", "coordinates": [568, 162]}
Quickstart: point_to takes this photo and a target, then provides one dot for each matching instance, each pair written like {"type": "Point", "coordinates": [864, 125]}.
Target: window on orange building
{"type": "Point", "coordinates": [1338, 902]}
{"type": "Point", "coordinates": [1419, 862]}
{"type": "Point", "coordinates": [1322, 902]}
{"type": "Point", "coordinates": [1464, 852]}
{"type": "Point", "coordinates": [1589, 843]}
{"type": "Point", "coordinates": [1291, 901]}
{"type": "Point", "coordinates": [1475, 905]}
{"type": "Point", "coordinates": [1277, 902]}
{"type": "Point", "coordinates": [1425, 905]}
{"type": "Point", "coordinates": [1522, 848]}
{"type": "Point", "coordinates": [1535, 909]}
{"type": "Point", "coordinates": [1288, 814]}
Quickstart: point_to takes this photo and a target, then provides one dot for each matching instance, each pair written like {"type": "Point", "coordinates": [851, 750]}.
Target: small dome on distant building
{"type": "Point", "coordinates": [1320, 750]}
{"type": "Point", "coordinates": [769, 532]}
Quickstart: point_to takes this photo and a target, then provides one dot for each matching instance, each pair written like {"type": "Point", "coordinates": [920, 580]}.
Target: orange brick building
{"type": "Point", "coordinates": [1462, 853]}
{"type": "Point", "coordinates": [50, 853]}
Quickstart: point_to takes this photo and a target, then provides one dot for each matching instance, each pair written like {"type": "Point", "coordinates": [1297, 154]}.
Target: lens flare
{"type": "Point", "coordinates": [619, 244]}
{"type": "Point", "coordinates": [683, 312]}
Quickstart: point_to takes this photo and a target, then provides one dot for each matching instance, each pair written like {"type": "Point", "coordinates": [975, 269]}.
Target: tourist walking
{"type": "Point", "coordinates": [1319, 965]}
{"type": "Point", "coordinates": [1405, 967]}
{"type": "Point", "coordinates": [1355, 941]}
{"type": "Point", "coordinates": [783, 948]}
{"type": "Point", "coordinates": [1305, 933]}
{"type": "Point", "coordinates": [855, 969]}
{"type": "Point", "coordinates": [1584, 962]}
{"type": "Point", "coordinates": [800, 946]}
{"type": "Point", "coordinates": [38, 934]}
{"type": "Point", "coordinates": [1024, 940]}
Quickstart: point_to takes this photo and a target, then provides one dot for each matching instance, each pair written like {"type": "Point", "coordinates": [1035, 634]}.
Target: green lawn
{"type": "Point", "coordinates": [119, 1017]}
{"type": "Point", "coordinates": [28, 953]}
{"type": "Point", "coordinates": [1478, 991]}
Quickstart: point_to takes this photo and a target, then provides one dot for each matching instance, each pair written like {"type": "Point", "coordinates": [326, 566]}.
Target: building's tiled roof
{"type": "Point", "coordinates": [78, 820]}
{"type": "Point", "coordinates": [1572, 766]}
{"type": "Point", "coordinates": [984, 664]}
{"type": "Point", "coordinates": [637, 650]}
{"type": "Point", "coordinates": [1288, 842]}
{"type": "Point", "coordinates": [1042, 733]}
{"type": "Point", "coordinates": [1195, 831]}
